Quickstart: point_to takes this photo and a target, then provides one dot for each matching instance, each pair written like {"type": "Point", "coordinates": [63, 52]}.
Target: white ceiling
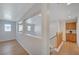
{"type": "Point", "coordinates": [62, 11]}
{"type": "Point", "coordinates": [13, 11]}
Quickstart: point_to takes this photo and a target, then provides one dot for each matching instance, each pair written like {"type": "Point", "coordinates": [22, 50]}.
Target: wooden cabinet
{"type": "Point", "coordinates": [71, 25]}
{"type": "Point", "coordinates": [71, 32]}
{"type": "Point", "coordinates": [71, 37]}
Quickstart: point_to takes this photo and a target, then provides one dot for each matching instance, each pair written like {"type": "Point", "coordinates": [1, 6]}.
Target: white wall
{"type": "Point", "coordinates": [53, 28]}
{"type": "Point", "coordinates": [63, 29]}
{"type": "Point", "coordinates": [7, 35]}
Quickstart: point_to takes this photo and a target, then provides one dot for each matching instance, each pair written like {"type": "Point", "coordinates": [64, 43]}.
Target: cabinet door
{"type": "Point", "coordinates": [71, 25]}
{"type": "Point", "coordinates": [71, 37]}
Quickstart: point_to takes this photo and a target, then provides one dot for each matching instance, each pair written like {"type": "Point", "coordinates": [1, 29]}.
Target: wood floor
{"type": "Point", "coordinates": [68, 49]}
{"type": "Point", "coordinates": [11, 48]}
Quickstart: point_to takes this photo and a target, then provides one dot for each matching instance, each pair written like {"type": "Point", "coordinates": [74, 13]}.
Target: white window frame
{"type": "Point", "coordinates": [7, 27]}
{"type": "Point", "coordinates": [20, 26]}
{"type": "Point", "coordinates": [28, 28]}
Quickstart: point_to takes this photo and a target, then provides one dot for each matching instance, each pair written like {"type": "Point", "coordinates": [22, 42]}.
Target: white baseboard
{"type": "Point", "coordinates": [6, 40]}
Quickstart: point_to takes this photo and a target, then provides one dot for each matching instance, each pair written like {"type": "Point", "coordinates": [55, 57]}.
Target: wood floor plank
{"type": "Point", "coordinates": [68, 48]}
{"type": "Point", "coordinates": [11, 48]}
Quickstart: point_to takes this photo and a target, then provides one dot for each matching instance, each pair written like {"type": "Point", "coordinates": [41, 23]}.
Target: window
{"type": "Point", "coordinates": [7, 27]}
{"type": "Point", "coordinates": [29, 28]}
{"type": "Point", "coordinates": [20, 27]}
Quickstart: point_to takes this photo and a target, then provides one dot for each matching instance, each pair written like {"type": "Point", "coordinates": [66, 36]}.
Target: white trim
{"type": "Point", "coordinates": [2, 40]}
